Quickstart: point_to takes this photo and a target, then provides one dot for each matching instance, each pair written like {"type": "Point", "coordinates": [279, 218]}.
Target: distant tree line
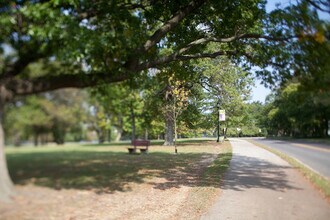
{"type": "Point", "coordinates": [162, 105]}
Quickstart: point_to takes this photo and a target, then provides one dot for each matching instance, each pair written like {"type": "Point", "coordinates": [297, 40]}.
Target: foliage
{"type": "Point", "coordinates": [55, 113]}
{"type": "Point", "coordinates": [89, 43]}
{"type": "Point", "coordinates": [83, 43]}
{"type": "Point", "coordinates": [119, 106]}
{"type": "Point", "coordinates": [297, 112]}
{"type": "Point", "coordinates": [227, 87]}
{"type": "Point", "coordinates": [58, 44]}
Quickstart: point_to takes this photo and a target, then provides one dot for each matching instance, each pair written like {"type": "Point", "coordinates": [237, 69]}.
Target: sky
{"type": "Point", "coordinates": [259, 92]}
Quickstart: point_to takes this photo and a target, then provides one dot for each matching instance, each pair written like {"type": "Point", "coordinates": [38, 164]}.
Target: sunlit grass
{"type": "Point", "coordinates": [107, 168]}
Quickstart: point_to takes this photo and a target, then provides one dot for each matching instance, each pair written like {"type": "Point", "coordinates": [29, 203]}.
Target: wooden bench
{"type": "Point", "coordinates": [142, 145]}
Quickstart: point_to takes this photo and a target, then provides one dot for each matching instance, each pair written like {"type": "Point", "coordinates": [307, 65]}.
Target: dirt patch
{"type": "Point", "coordinates": [155, 198]}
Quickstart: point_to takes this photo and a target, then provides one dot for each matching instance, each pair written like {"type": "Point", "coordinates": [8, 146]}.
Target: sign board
{"type": "Point", "coordinates": [222, 115]}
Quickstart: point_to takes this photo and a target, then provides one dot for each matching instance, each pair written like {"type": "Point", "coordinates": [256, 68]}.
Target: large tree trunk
{"type": "Point", "coordinates": [6, 185]}
{"type": "Point", "coordinates": [133, 120]}
{"type": "Point", "coordinates": [119, 129]}
{"type": "Point", "coordinates": [100, 134]}
{"type": "Point", "coordinates": [146, 134]}
{"type": "Point", "coordinates": [109, 135]}
{"type": "Point", "coordinates": [119, 132]}
{"type": "Point", "coordinates": [225, 133]}
{"type": "Point", "coordinates": [169, 128]}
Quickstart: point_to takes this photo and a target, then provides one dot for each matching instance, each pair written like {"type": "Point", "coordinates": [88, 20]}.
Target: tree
{"type": "Point", "coordinates": [167, 95]}
{"type": "Point", "coordinates": [227, 87]}
{"type": "Point", "coordinates": [296, 112]}
{"type": "Point", "coordinates": [176, 101]}
{"type": "Point", "coordinates": [121, 106]}
{"type": "Point", "coordinates": [112, 41]}
{"type": "Point", "coordinates": [42, 116]}
{"type": "Point", "coordinates": [32, 118]}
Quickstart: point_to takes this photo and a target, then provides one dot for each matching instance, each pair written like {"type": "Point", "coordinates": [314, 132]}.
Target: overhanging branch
{"type": "Point", "coordinates": [49, 83]}
{"type": "Point", "coordinates": [203, 41]}
{"type": "Point", "coordinates": [178, 57]}
{"type": "Point", "coordinates": [171, 24]}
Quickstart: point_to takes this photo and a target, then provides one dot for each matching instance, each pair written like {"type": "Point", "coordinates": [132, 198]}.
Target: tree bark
{"type": "Point", "coordinates": [169, 128]}
{"type": "Point", "coordinates": [225, 133]}
{"type": "Point", "coordinates": [118, 133]}
{"type": "Point", "coordinates": [133, 121]}
{"type": "Point", "coordinates": [100, 134]}
{"type": "Point", "coordinates": [146, 134]}
{"type": "Point", "coordinates": [119, 128]}
{"type": "Point", "coordinates": [6, 184]}
{"type": "Point", "coordinates": [36, 139]}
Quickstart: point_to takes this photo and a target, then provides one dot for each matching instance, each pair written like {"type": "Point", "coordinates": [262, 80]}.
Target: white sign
{"type": "Point", "coordinates": [222, 115]}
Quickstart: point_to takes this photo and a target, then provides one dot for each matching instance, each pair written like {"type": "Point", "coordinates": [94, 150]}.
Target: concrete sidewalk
{"type": "Point", "coordinates": [260, 185]}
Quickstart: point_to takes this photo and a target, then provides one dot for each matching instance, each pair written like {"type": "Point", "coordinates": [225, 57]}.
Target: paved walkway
{"type": "Point", "coordinates": [260, 185]}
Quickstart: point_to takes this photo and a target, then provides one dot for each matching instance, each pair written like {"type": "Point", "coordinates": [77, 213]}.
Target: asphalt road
{"type": "Point", "coordinates": [314, 155]}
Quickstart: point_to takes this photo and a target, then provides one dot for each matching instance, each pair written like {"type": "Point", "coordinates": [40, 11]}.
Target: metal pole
{"type": "Point", "coordinates": [218, 138]}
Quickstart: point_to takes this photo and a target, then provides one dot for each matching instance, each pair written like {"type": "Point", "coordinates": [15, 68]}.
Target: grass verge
{"type": "Point", "coordinates": [320, 182]}
{"type": "Point", "coordinates": [217, 169]}
{"type": "Point", "coordinates": [202, 197]}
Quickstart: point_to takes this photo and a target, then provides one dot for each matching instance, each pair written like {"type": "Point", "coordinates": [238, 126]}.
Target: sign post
{"type": "Point", "coordinates": [222, 117]}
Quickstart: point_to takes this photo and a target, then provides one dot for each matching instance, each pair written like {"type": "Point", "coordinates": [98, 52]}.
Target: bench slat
{"type": "Point", "coordinates": [140, 144]}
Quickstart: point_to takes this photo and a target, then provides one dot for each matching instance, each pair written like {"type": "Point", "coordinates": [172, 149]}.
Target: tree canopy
{"type": "Point", "coordinates": [51, 44]}
{"type": "Point", "coordinates": [85, 43]}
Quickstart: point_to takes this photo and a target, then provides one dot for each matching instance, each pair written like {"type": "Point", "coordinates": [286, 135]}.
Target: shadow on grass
{"type": "Point", "coordinates": [202, 174]}
{"type": "Point", "coordinates": [108, 171]}
{"type": "Point", "coordinates": [105, 171]}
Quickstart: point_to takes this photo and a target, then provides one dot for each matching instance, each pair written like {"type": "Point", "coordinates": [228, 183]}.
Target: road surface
{"type": "Point", "coordinates": [314, 155]}
{"type": "Point", "coordinates": [260, 185]}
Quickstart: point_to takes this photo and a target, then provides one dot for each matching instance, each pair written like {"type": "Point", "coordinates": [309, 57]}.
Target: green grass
{"type": "Point", "coordinates": [109, 168]}
{"type": "Point", "coordinates": [158, 142]}
{"type": "Point", "coordinates": [217, 169]}
{"type": "Point", "coordinates": [322, 183]}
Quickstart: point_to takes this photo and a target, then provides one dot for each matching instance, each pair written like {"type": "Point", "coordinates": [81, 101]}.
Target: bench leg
{"type": "Point", "coordinates": [144, 151]}
{"type": "Point", "coordinates": [131, 150]}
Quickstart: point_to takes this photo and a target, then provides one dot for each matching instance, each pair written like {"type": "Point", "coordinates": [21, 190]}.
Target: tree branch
{"type": "Point", "coordinates": [202, 41]}
{"type": "Point", "coordinates": [320, 4]}
{"type": "Point", "coordinates": [171, 24]}
{"type": "Point", "coordinates": [177, 57]}
{"type": "Point", "coordinates": [16, 68]}
{"type": "Point", "coordinates": [49, 83]}
{"type": "Point", "coordinates": [236, 37]}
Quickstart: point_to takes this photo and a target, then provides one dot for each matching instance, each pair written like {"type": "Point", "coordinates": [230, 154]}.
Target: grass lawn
{"type": "Point", "coordinates": [102, 181]}
{"type": "Point", "coordinates": [109, 168]}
